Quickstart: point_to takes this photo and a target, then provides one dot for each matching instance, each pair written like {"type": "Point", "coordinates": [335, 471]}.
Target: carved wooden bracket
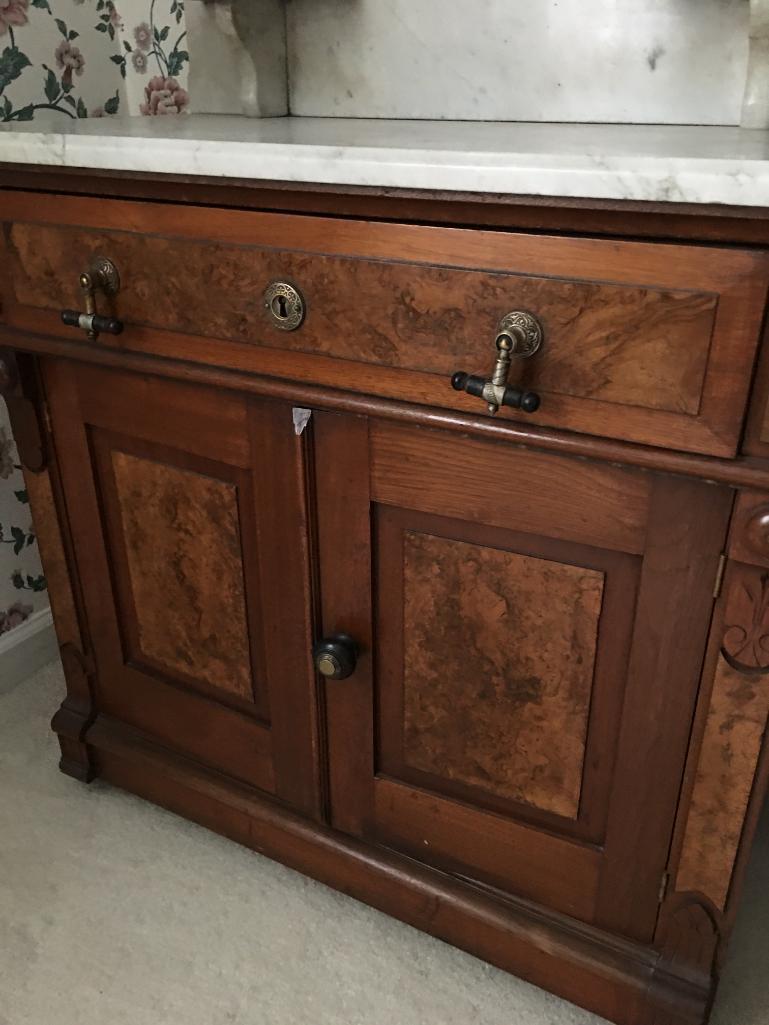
{"type": "Point", "coordinates": [745, 645]}
{"type": "Point", "coordinates": [721, 792]}
{"type": "Point", "coordinates": [238, 61]}
{"type": "Point", "coordinates": [75, 715]}
{"type": "Point", "coordinates": [688, 932]}
{"type": "Point", "coordinates": [18, 386]}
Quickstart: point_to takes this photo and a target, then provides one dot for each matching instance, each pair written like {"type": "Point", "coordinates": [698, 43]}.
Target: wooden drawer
{"type": "Point", "coordinates": [645, 342]}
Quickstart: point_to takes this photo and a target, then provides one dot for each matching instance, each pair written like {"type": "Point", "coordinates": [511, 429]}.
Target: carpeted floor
{"type": "Point", "coordinates": [114, 912]}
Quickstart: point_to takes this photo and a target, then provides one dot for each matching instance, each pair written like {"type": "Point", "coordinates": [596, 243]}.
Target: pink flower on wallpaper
{"type": "Point", "coordinates": [69, 59]}
{"type": "Point", "coordinates": [164, 96]}
{"type": "Point", "coordinates": [12, 12]}
{"type": "Point", "coordinates": [6, 455]}
{"type": "Point", "coordinates": [139, 61]}
{"type": "Point", "coordinates": [143, 36]}
{"type": "Point", "coordinates": [14, 616]}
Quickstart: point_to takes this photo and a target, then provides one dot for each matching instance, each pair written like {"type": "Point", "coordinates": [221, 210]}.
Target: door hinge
{"type": "Point", "coordinates": [719, 581]}
{"type": "Point", "coordinates": [664, 884]}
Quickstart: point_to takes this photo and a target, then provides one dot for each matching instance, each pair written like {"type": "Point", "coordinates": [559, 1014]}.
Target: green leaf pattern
{"type": "Point", "coordinates": [20, 569]}
{"type": "Point", "coordinates": [92, 58]}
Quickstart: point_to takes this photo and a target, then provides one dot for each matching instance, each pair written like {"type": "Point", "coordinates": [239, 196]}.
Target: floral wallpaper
{"type": "Point", "coordinates": [92, 58]}
{"type": "Point", "coordinates": [22, 584]}
{"type": "Point", "coordinates": [75, 59]}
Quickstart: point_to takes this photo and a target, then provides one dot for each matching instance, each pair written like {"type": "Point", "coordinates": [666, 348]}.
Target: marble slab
{"type": "Point", "coordinates": [660, 163]}
{"type": "Point", "coordinates": [625, 61]}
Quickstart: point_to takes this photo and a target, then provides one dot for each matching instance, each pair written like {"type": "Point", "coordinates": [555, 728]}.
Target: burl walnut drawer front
{"type": "Point", "coordinates": [644, 342]}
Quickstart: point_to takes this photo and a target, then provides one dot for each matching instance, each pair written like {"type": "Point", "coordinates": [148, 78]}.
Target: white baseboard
{"type": "Point", "coordinates": [27, 648]}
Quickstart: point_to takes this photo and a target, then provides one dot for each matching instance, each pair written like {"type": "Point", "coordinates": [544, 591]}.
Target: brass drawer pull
{"type": "Point", "coordinates": [102, 275]}
{"type": "Point", "coordinates": [520, 334]}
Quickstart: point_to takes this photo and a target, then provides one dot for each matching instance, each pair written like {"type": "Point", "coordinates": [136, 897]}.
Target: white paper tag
{"type": "Point", "coordinates": [301, 418]}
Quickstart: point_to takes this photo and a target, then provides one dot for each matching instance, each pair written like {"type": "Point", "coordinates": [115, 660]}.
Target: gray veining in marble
{"type": "Point", "coordinates": [636, 162]}
{"type": "Point", "coordinates": [636, 61]}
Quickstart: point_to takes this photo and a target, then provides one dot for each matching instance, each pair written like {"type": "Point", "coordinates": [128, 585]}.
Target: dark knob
{"type": "Point", "coordinates": [528, 401]}
{"type": "Point", "coordinates": [335, 657]}
{"type": "Point", "coordinates": [460, 381]}
{"type": "Point", "coordinates": [92, 322]}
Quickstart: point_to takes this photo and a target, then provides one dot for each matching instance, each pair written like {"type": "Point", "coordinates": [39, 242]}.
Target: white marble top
{"type": "Point", "coordinates": [638, 162]}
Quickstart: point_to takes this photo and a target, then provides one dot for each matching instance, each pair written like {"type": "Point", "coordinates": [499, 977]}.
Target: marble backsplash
{"type": "Point", "coordinates": [638, 61]}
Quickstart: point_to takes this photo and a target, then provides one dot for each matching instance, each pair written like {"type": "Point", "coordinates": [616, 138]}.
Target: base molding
{"type": "Point", "coordinates": [27, 648]}
{"type": "Point", "coordinates": [623, 981]}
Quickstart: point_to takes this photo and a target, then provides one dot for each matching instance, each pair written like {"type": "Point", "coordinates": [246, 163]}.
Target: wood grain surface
{"type": "Point", "coordinates": [183, 551]}
{"type": "Point", "coordinates": [513, 765]}
{"type": "Point", "coordinates": [509, 486]}
{"type": "Point", "coordinates": [630, 345]}
{"type": "Point", "coordinates": [499, 655]}
{"type": "Point", "coordinates": [647, 342]}
{"type": "Point", "coordinates": [734, 730]}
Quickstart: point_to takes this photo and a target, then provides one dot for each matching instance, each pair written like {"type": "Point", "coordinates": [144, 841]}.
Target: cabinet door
{"type": "Point", "coordinates": [188, 513]}
{"type": "Point", "coordinates": [530, 632]}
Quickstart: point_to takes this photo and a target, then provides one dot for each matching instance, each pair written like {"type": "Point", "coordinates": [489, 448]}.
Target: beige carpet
{"type": "Point", "coordinates": [114, 912]}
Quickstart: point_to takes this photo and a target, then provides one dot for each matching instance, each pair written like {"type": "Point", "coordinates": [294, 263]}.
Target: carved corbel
{"type": "Point", "coordinates": [724, 786]}
{"type": "Point", "coordinates": [238, 57]}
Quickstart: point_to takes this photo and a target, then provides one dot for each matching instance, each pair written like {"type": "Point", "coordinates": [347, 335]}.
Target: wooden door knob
{"type": "Point", "coordinates": [335, 657]}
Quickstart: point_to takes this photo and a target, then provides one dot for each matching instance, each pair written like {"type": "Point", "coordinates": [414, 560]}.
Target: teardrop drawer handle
{"type": "Point", "coordinates": [520, 335]}
{"type": "Point", "coordinates": [101, 276]}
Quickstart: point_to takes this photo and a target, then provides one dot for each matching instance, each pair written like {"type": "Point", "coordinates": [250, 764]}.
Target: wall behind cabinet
{"type": "Point", "coordinates": [71, 59]}
{"type": "Point", "coordinates": [22, 584]}
{"type": "Point", "coordinates": [641, 61]}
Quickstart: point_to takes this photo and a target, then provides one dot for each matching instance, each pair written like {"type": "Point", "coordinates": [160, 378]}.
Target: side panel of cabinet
{"type": "Point", "coordinates": [189, 516]}
{"type": "Point", "coordinates": [531, 632]}
{"type": "Point", "coordinates": [728, 767]}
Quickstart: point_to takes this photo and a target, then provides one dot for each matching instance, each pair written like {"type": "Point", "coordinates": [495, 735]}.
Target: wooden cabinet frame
{"type": "Point", "coordinates": [376, 475]}
{"type": "Point", "coordinates": [635, 963]}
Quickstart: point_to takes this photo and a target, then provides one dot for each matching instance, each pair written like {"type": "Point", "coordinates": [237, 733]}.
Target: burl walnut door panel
{"type": "Point", "coordinates": [187, 507]}
{"type": "Point", "coordinates": [531, 632]}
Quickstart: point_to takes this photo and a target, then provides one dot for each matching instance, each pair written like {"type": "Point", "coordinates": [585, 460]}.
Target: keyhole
{"type": "Point", "coordinates": [283, 304]}
{"type": "Point", "coordinates": [280, 307]}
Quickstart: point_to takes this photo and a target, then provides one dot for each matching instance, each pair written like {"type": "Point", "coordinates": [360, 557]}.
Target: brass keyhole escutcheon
{"type": "Point", "coordinates": [284, 305]}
